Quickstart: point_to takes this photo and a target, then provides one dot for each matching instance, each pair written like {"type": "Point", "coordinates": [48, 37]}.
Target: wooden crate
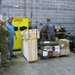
{"type": "Point", "coordinates": [29, 49]}
{"type": "Point", "coordinates": [31, 34]}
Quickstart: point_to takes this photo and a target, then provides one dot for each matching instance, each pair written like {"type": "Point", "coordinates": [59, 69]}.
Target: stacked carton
{"type": "Point", "coordinates": [56, 50]}
{"type": "Point", "coordinates": [59, 50]}
{"type": "Point", "coordinates": [47, 51]}
{"type": "Point", "coordinates": [64, 46]}
{"type": "Point", "coordinates": [51, 51]}
{"type": "Point", "coordinates": [29, 44]}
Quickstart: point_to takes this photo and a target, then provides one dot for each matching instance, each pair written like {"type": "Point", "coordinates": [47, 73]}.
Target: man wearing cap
{"type": "Point", "coordinates": [4, 42]}
{"type": "Point", "coordinates": [10, 27]}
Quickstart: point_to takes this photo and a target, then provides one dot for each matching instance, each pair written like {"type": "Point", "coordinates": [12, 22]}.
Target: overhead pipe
{"type": "Point", "coordinates": [25, 8]}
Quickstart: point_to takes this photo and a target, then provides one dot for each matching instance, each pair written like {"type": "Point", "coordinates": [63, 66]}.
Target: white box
{"type": "Point", "coordinates": [45, 53]}
{"type": "Point", "coordinates": [57, 49]}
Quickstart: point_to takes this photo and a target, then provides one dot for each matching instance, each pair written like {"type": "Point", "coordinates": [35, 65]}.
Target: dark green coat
{"type": "Point", "coordinates": [3, 35]}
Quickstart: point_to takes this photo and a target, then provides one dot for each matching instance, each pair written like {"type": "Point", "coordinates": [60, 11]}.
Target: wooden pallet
{"type": "Point", "coordinates": [48, 57]}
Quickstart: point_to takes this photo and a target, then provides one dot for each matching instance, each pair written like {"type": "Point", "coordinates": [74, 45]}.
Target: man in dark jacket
{"type": "Point", "coordinates": [50, 31]}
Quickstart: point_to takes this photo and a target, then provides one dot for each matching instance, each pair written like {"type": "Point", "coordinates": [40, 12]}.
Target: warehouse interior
{"type": "Point", "coordinates": [36, 54]}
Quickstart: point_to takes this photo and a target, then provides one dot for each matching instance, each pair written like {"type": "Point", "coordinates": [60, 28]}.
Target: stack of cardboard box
{"type": "Point", "coordinates": [61, 49]}
{"type": "Point", "coordinates": [56, 50]}
{"type": "Point", "coordinates": [50, 51]}
{"type": "Point", "coordinates": [64, 46]}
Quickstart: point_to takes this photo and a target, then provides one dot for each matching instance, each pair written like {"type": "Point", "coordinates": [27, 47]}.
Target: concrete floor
{"type": "Point", "coordinates": [53, 66]}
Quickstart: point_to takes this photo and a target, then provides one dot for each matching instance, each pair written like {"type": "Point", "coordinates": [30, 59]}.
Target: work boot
{"type": "Point", "coordinates": [9, 58]}
{"type": "Point", "coordinates": [13, 56]}
{"type": "Point", "coordinates": [4, 64]}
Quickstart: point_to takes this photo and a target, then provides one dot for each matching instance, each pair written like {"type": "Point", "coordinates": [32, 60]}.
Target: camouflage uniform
{"type": "Point", "coordinates": [3, 42]}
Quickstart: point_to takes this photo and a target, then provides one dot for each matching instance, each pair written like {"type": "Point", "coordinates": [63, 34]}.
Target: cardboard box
{"type": "Point", "coordinates": [55, 53]}
{"type": "Point", "coordinates": [57, 49]}
{"type": "Point", "coordinates": [63, 51]}
{"type": "Point", "coordinates": [31, 34]}
{"type": "Point", "coordinates": [50, 53]}
{"type": "Point", "coordinates": [67, 51]}
{"type": "Point", "coordinates": [49, 48]}
{"type": "Point", "coordinates": [45, 53]}
{"type": "Point", "coordinates": [58, 27]}
{"type": "Point", "coordinates": [63, 43]}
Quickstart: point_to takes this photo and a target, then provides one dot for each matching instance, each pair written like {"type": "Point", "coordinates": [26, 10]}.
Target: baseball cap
{"type": "Point", "coordinates": [9, 18]}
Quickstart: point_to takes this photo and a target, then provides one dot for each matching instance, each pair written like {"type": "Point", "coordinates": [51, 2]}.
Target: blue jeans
{"type": "Point", "coordinates": [10, 47]}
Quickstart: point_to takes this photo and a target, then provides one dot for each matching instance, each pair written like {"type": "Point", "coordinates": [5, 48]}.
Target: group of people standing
{"type": "Point", "coordinates": [6, 40]}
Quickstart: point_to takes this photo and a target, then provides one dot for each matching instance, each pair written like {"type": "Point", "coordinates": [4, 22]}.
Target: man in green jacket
{"type": "Point", "coordinates": [4, 43]}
